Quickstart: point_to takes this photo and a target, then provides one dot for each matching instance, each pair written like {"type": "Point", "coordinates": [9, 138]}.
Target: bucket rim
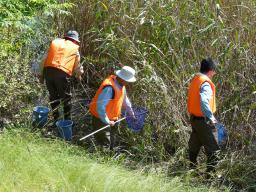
{"type": "Point", "coordinates": [43, 108]}
{"type": "Point", "coordinates": [69, 123]}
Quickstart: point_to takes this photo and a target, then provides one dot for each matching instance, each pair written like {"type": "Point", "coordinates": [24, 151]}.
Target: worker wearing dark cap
{"type": "Point", "coordinates": [61, 62]}
{"type": "Point", "coordinates": [201, 107]}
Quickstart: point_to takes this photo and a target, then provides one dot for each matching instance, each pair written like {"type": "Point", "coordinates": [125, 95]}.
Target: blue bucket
{"type": "Point", "coordinates": [65, 129]}
{"type": "Point", "coordinates": [137, 125]}
{"type": "Point", "coordinates": [40, 116]}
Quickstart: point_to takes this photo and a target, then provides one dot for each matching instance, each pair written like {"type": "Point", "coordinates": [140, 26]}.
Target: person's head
{"type": "Point", "coordinates": [126, 75]}
{"type": "Point", "coordinates": [208, 67]}
{"type": "Point", "coordinates": [72, 36]}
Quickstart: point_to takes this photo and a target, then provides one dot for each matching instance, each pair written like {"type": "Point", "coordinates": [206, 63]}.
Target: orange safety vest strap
{"type": "Point", "coordinates": [62, 55]}
{"type": "Point", "coordinates": [114, 106]}
{"type": "Point", "coordinates": [193, 102]}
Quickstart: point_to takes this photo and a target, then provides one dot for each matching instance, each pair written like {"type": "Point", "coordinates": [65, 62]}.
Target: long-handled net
{"type": "Point", "coordinates": [135, 124]}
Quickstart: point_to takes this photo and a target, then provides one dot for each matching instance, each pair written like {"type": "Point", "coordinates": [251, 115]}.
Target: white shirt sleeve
{"type": "Point", "coordinates": [128, 106]}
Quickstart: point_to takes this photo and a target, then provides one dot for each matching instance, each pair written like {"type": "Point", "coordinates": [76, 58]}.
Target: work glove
{"type": "Point", "coordinates": [79, 78]}
{"type": "Point", "coordinates": [112, 123]}
{"type": "Point", "coordinates": [81, 69]}
{"type": "Point", "coordinates": [211, 122]}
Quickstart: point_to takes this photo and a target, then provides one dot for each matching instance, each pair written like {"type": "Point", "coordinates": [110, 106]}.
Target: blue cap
{"type": "Point", "coordinates": [72, 35]}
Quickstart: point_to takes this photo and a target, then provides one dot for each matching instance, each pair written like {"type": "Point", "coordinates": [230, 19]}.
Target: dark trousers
{"type": "Point", "coordinates": [104, 137]}
{"type": "Point", "coordinates": [58, 85]}
{"type": "Point", "coordinates": [202, 135]}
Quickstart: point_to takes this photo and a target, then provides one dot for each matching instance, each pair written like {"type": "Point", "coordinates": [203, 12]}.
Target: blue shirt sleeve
{"type": "Point", "coordinates": [205, 96]}
{"type": "Point", "coordinates": [103, 99]}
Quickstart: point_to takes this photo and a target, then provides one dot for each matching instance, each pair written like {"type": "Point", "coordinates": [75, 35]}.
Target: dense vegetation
{"type": "Point", "coordinates": [165, 41]}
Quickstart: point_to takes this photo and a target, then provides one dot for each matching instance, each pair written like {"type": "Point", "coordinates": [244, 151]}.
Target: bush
{"type": "Point", "coordinates": [26, 28]}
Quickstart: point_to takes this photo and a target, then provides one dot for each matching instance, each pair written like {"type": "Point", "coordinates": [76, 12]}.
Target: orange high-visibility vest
{"type": "Point", "coordinates": [114, 106]}
{"type": "Point", "coordinates": [62, 55]}
{"type": "Point", "coordinates": [193, 103]}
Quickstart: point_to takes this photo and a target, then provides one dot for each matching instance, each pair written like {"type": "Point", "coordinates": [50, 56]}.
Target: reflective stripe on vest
{"type": "Point", "coordinates": [62, 55]}
{"type": "Point", "coordinates": [193, 103]}
{"type": "Point", "coordinates": [114, 106]}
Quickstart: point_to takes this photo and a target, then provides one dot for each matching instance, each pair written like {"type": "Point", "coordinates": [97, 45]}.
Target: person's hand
{"type": "Point", "coordinates": [82, 70]}
{"type": "Point", "coordinates": [79, 78]}
{"type": "Point", "coordinates": [214, 121]}
{"type": "Point", "coordinates": [211, 122]}
{"type": "Point", "coordinates": [111, 123]}
{"type": "Point", "coordinates": [79, 72]}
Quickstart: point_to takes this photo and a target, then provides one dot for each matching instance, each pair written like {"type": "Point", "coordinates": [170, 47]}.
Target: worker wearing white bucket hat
{"type": "Point", "coordinates": [127, 74]}
{"type": "Point", "coordinates": [110, 98]}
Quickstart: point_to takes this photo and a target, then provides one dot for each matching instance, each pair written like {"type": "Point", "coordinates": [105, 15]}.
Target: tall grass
{"type": "Point", "coordinates": [165, 41]}
{"type": "Point", "coordinates": [29, 163]}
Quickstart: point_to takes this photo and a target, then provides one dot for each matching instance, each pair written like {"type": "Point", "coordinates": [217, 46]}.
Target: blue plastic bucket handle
{"type": "Point", "coordinates": [40, 115]}
{"type": "Point", "coordinates": [65, 129]}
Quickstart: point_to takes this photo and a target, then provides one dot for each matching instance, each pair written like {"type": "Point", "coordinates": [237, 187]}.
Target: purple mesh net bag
{"type": "Point", "coordinates": [138, 124]}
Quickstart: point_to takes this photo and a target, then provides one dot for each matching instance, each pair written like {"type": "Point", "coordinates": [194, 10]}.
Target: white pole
{"type": "Point", "coordinates": [100, 129]}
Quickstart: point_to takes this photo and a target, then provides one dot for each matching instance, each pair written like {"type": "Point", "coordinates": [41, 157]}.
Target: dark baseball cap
{"type": "Point", "coordinates": [72, 35]}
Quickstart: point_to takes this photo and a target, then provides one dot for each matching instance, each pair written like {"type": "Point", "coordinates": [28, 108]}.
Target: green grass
{"type": "Point", "coordinates": [30, 163]}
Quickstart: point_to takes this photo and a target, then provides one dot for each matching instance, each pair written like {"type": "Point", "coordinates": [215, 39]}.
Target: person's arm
{"type": "Point", "coordinates": [205, 96]}
{"type": "Point", "coordinates": [128, 106]}
{"type": "Point", "coordinates": [103, 99]}
{"type": "Point", "coordinates": [78, 69]}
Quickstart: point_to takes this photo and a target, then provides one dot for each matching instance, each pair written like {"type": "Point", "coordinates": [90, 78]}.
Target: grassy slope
{"type": "Point", "coordinates": [28, 163]}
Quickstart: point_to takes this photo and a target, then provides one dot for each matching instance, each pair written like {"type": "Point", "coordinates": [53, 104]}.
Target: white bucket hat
{"type": "Point", "coordinates": [126, 73]}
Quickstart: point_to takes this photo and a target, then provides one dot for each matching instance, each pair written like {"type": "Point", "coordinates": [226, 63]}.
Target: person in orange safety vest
{"type": "Point", "coordinates": [201, 105]}
{"type": "Point", "coordinates": [61, 62]}
{"type": "Point", "coordinates": [108, 102]}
